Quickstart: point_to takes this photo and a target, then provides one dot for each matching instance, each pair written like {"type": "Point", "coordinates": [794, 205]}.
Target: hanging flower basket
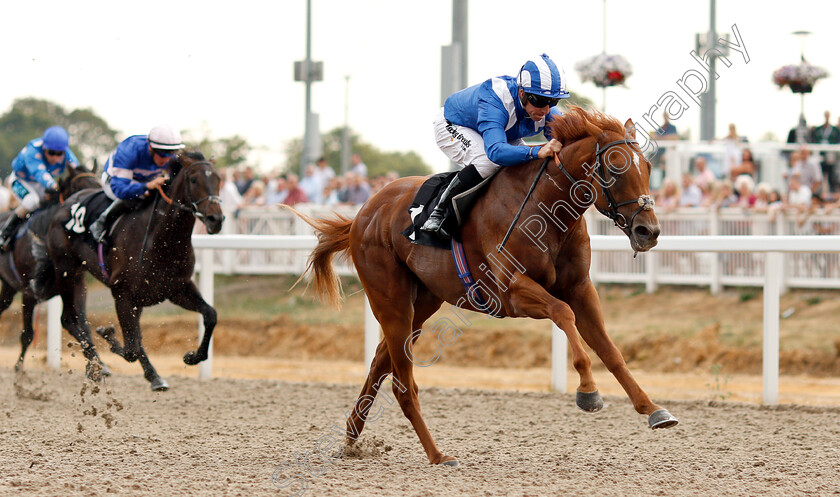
{"type": "Point", "coordinates": [604, 70]}
{"type": "Point", "coordinates": [799, 78]}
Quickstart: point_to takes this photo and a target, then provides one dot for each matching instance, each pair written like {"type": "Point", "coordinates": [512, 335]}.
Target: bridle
{"type": "Point", "coordinates": [192, 206]}
{"type": "Point", "coordinates": [645, 202]}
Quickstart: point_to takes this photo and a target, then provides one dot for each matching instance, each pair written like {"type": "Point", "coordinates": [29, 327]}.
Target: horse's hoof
{"type": "Point", "coordinates": [159, 385]}
{"type": "Point", "coordinates": [589, 401]}
{"type": "Point", "coordinates": [106, 371]}
{"type": "Point", "coordinates": [662, 419]}
{"type": "Point", "coordinates": [105, 332]}
{"type": "Point", "coordinates": [191, 358]}
{"type": "Point", "coordinates": [454, 463]}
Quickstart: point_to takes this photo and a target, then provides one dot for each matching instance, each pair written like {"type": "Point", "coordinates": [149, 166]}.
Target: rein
{"type": "Point", "coordinates": [522, 207]}
{"type": "Point", "coordinates": [192, 206]}
{"type": "Point", "coordinates": [645, 202]}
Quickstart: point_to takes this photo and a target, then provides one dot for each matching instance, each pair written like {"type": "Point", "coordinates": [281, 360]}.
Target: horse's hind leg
{"type": "Point", "coordinates": [424, 306]}
{"type": "Point", "coordinates": [73, 293]}
{"type": "Point", "coordinates": [392, 293]}
{"type": "Point", "coordinates": [533, 300]}
{"type": "Point", "coordinates": [28, 310]}
{"type": "Point", "coordinates": [587, 308]}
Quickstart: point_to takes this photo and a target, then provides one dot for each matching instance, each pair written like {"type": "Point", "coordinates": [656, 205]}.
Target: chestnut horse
{"type": "Point", "coordinates": [17, 266]}
{"type": "Point", "coordinates": [149, 259]}
{"type": "Point", "coordinates": [542, 272]}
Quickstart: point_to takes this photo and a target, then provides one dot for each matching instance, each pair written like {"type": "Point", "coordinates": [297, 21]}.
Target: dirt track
{"type": "Point", "coordinates": [227, 437]}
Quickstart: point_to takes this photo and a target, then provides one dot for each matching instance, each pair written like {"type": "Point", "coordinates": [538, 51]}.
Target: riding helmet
{"type": "Point", "coordinates": [541, 76]}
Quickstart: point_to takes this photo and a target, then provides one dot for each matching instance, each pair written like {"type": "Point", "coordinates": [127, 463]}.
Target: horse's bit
{"type": "Point", "coordinates": [645, 202]}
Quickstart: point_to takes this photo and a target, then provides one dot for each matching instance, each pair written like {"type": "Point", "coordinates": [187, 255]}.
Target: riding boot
{"type": "Point", "coordinates": [100, 227]}
{"type": "Point", "coordinates": [8, 231]}
{"type": "Point", "coordinates": [464, 180]}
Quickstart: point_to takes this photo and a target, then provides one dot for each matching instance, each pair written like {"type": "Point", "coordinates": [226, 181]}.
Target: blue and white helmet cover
{"type": "Point", "coordinates": [541, 76]}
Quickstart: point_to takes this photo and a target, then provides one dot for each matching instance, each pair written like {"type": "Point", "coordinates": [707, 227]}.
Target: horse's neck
{"type": "Point", "coordinates": [173, 224]}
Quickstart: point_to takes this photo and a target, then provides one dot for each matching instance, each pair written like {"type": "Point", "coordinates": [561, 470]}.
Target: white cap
{"type": "Point", "coordinates": [165, 138]}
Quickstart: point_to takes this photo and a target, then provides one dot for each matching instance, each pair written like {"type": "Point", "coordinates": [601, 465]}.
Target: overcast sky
{"type": "Point", "coordinates": [226, 68]}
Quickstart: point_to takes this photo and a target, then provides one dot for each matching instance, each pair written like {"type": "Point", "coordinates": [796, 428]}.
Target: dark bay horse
{"type": "Point", "coordinates": [17, 266]}
{"type": "Point", "coordinates": [542, 272]}
{"type": "Point", "coordinates": [149, 259]}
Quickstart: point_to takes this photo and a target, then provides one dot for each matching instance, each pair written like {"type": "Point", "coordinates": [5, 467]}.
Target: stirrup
{"type": "Point", "coordinates": [434, 222]}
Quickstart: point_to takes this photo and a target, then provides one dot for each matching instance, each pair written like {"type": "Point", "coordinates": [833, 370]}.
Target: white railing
{"type": "Point", "coordinates": [772, 246]}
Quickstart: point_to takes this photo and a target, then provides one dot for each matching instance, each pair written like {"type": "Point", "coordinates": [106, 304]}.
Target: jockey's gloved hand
{"type": "Point", "coordinates": [51, 193]}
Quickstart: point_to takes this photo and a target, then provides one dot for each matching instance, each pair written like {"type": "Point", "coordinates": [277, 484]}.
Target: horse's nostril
{"type": "Point", "coordinates": [642, 232]}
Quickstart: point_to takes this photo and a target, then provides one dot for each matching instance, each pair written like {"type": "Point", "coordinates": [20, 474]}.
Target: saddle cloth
{"type": "Point", "coordinates": [85, 211]}
{"type": "Point", "coordinates": [427, 198]}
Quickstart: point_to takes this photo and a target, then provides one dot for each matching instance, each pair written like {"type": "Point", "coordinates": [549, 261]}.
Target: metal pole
{"type": "Point", "coordinates": [708, 99]}
{"type": "Point", "coordinates": [559, 359]}
{"type": "Point", "coordinates": [345, 133]}
{"type": "Point", "coordinates": [207, 289]}
{"type": "Point", "coordinates": [770, 344]}
{"type": "Point", "coordinates": [54, 307]}
{"type": "Point", "coordinates": [304, 159]}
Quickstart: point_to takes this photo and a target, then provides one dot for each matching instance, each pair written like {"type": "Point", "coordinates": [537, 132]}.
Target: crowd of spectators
{"type": "Point", "coordinates": [808, 181]}
{"type": "Point", "coordinates": [320, 185]}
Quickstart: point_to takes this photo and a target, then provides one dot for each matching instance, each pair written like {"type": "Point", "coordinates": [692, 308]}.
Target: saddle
{"type": "Point", "coordinates": [456, 215]}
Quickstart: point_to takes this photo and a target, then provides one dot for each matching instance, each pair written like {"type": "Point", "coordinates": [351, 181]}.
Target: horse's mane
{"type": "Point", "coordinates": [571, 126]}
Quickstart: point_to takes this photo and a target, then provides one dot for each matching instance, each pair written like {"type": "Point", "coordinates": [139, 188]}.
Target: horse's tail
{"type": "Point", "coordinates": [333, 239]}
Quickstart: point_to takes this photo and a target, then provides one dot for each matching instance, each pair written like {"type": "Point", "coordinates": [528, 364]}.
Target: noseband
{"type": "Point", "coordinates": [645, 202]}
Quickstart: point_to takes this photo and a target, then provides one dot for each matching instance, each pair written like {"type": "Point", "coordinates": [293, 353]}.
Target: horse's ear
{"type": "Point", "coordinates": [593, 130]}
{"type": "Point", "coordinates": [95, 165]}
{"type": "Point", "coordinates": [630, 130]}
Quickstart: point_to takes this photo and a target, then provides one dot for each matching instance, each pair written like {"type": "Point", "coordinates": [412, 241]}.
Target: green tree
{"type": "Point", "coordinates": [378, 162]}
{"type": "Point", "coordinates": [227, 152]}
{"type": "Point", "coordinates": [90, 135]}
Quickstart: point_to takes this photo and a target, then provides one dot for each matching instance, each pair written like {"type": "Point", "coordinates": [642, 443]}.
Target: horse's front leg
{"type": "Point", "coordinates": [590, 321]}
{"type": "Point", "coordinates": [190, 299]}
{"type": "Point", "coordinates": [129, 317]}
{"type": "Point", "coordinates": [530, 299]}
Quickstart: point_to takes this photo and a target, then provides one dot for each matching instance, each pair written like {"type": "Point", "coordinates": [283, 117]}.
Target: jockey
{"type": "Point", "coordinates": [132, 171]}
{"type": "Point", "coordinates": [481, 127]}
{"type": "Point", "coordinates": [35, 169]}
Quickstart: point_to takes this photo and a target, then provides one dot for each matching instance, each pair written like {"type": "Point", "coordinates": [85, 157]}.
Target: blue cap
{"type": "Point", "coordinates": [541, 76]}
{"type": "Point", "coordinates": [56, 138]}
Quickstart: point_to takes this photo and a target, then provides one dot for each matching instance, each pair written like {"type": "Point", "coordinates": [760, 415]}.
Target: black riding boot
{"type": "Point", "coordinates": [8, 231]}
{"type": "Point", "coordinates": [463, 181]}
{"type": "Point", "coordinates": [100, 227]}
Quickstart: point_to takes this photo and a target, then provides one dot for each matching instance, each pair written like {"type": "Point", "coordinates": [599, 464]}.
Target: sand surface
{"type": "Point", "coordinates": [64, 435]}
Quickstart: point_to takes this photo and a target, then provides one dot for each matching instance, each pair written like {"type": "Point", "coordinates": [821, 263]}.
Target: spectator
{"type": "Point", "coordinates": [691, 194]}
{"type": "Point", "coordinates": [744, 185]}
{"type": "Point", "coordinates": [827, 135]}
{"type": "Point", "coordinates": [799, 195]}
{"type": "Point", "coordinates": [665, 132]}
{"type": "Point", "coordinates": [359, 167]}
{"type": "Point", "coordinates": [747, 165]}
{"type": "Point", "coordinates": [669, 195]}
{"type": "Point", "coordinates": [311, 185]}
{"type": "Point", "coordinates": [255, 195]}
{"type": "Point", "coordinates": [762, 197]}
{"type": "Point", "coordinates": [726, 195]}
{"type": "Point", "coordinates": [229, 194]}
{"type": "Point", "coordinates": [702, 174]}
{"type": "Point", "coordinates": [295, 195]}
{"type": "Point", "coordinates": [808, 168]}
{"type": "Point", "coordinates": [709, 193]}
{"type": "Point", "coordinates": [324, 172]}
{"type": "Point", "coordinates": [732, 153]}
{"type": "Point", "coordinates": [278, 192]}
{"type": "Point", "coordinates": [358, 189]}
{"type": "Point", "coordinates": [244, 182]}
